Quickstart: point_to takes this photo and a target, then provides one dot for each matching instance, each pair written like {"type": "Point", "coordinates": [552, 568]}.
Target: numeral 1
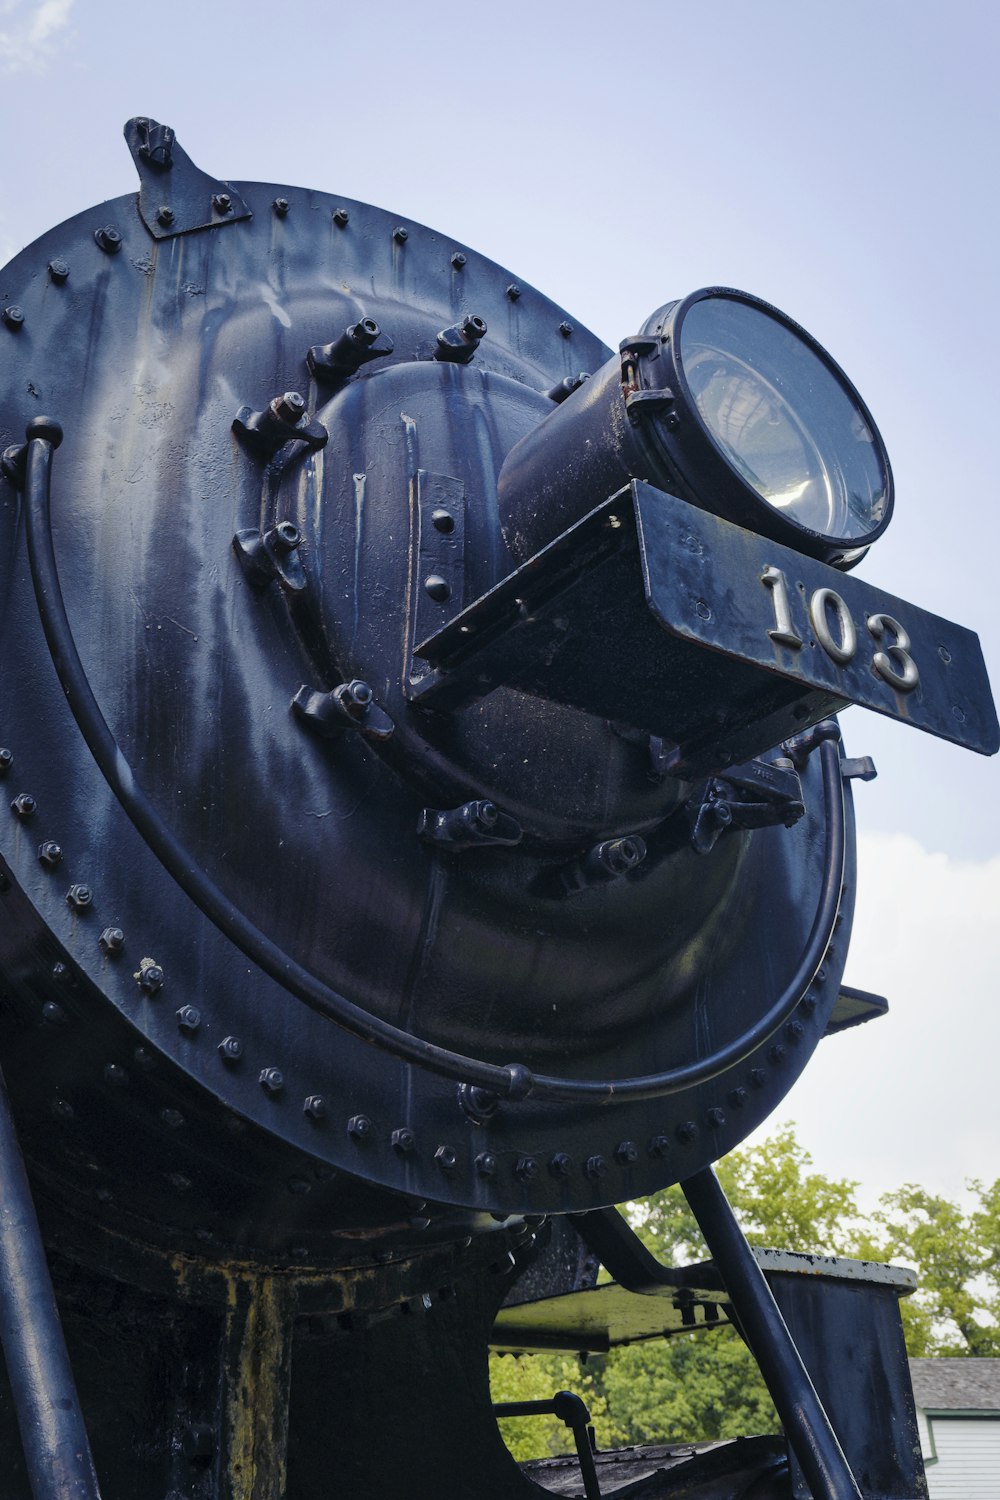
{"type": "Point", "coordinates": [783, 631]}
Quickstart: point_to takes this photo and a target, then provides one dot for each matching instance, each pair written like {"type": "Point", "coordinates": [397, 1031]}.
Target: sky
{"type": "Point", "coordinates": [838, 159]}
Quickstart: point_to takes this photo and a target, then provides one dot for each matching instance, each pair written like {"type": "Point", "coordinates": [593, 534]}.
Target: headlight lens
{"type": "Point", "coordinates": [784, 417]}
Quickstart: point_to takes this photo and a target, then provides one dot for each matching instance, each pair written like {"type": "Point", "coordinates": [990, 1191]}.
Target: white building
{"type": "Point", "coordinates": [958, 1415]}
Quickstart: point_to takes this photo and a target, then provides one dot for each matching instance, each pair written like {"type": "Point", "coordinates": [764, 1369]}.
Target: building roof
{"type": "Point", "coordinates": [956, 1384]}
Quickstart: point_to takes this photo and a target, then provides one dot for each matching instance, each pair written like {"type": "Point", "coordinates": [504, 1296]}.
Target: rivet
{"type": "Point", "coordinates": [446, 1158]}
{"type": "Point", "coordinates": [443, 521]}
{"type": "Point", "coordinates": [315, 1107]}
{"type": "Point", "coordinates": [513, 292]}
{"type": "Point", "coordinates": [686, 1131]}
{"type": "Point", "coordinates": [566, 329]}
{"type": "Point", "coordinates": [758, 1077]}
{"type": "Point", "coordinates": [172, 1118]}
{"type": "Point", "coordinates": [112, 940]}
{"type": "Point", "coordinates": [341, 217]}
{"type": "Point", "coordinates": [24, 806]}
{"type": "Point", "coordinates": [359, 1127]}
{"type": "Point", "coordinates": [58, 271]}
{"type": "Point", "coordinates": [179, 1181]}
{"type": "Point", "coordinates": [60, 973]}
{"type": "Point", "coordinates": [6, 760]}
{"type": "Point", "coordinates": [230, 1049]}
{"type": "Point", "coordinates": [62, 1109]}
{"type": "Point", "coordinates": [115, 1075]}
{"type": "Point", "coordinates": [776, 1054]}
{"type": "Point", "coordinates": [272, 1080]}
{"type": "Point", "coordinates": [809, 1002]}
{"type": "Point", "coordinates": [150, 978]}
{"type": "Point", "coordinates": [189, 1019]}
{"type": "Point", "coordinates": [458, 260]}
{"type": "Point", "coordinates": [486, 1164]}
{"type": "Point", "coordinates": [659, 1145]}
{"type": "Point", "coordinates": [403, 1140]}
{"type": "Point", "coordinates": [716, 1117]}
{"type": "Point", "coordinates": [49, 854]}
{"type": "Point", "coordinates": [222, 203]}
{"type": "Point", "coordinates": [13, 316]}
{"type": "Point", "coordinates": [80, 897]}
{"type": "Point", "coordinates": [437, 587]}
{"type": "Point", "coordinates": [300, 1185]}
{"type": "Point", "coordinates": [198, 1440]}
{"type": "Point", "coordinates": [143, 1058]}
{"type": "Point", "coordinates": [103, 1195]}
{"type": "Point", "coordinates": [525, 1168]}
{"type": "Point", "coordinates": [820, 977]}
{"type": "Point", "coordinates": [560, 1164]}
{"type": "Point", "coordinates": [400, 234]}
{"type": "Point", "coordinates": [53, 1012]}
{"type": "Point", "coordinates": [626, 1152]}
{"type": "Point", "coordinates": [108, 239]}
{"type": "Point", "coordinates": [281, 207]}
{"type": "Point", "coordinates": [595, 1166]}
{"type": "Point", "coordinates": [164, 214]}
{"type": "Point", "coordinates": [737, 1097]}
{"type": "Point", "coordinates": [795, 1031]}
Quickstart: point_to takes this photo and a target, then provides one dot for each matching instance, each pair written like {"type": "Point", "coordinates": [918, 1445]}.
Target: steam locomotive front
{"type": "Point", "coordinates": [425, 803]}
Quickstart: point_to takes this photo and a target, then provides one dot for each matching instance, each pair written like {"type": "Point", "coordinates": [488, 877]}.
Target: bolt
{"type": "Point", "coordinates": [659, 1145]}
{"type": "Point", "coordinates": [403, 1140]}
{"type": "Point", "coordinates": [79, 897]}
{"type": "Point", "coordinates": [795, 1031]}
{"type": "Point", "coordinates": [513, 291]}
{"type": "Point", "coordinates": [24, 806]}
{"type": "Point", "coordinates": [566, 329]}
{"type": "Point", "coordinates": [281, 207]}
{"type": "Point", "coordinates": [151, 979]}
{"type": "Point", "coordinates": [115, 1075]}
{"type": "Point", "coordinates": [473, 327]}
{"type": "Point", "coordinates": [230, 1049]}
{"type": "Point", "coordinates": [738, 1097]}
{"type": "Point", "coordinates": [291, 406]}
{"type": "Point", "coordinates": [62, 1109]}
{"type": "Point", "coordinates": [299, 1185]}
{"type": "Point", "coordinates": [486, 815]}
{"type": "Point", "coordinates": [595, 1166]}
{"type": "Point", "coordinates": [341, 217]}
{"type": "Point", "coordinates": [49, 854]}
{"type": "Point", "coordinates": [189, 1019]}
{"type": "Point", "coordinates": [686, 1131]}
{"type": "Point", "coordinates": [164, 214]}
{"type": "Point", "coordinates": [458, 260]}
{"type": "Point", "coordinates": [172, 1118]}
{"type": "Point", "coordinates": [287, 535]}
{"type": "Point", "coordinates": [400, 234]}
{"type": "Point", "coordinates": [112, 940]}
{"type": "Point", "coordinates": [626, 1152]}
{"type": "Point", "coordinates": [671, 421]}
{"type": "Point", "coordinates": [198, 1441]}
{"type": "Point", "coordinates": [13, 315]}
{"type": "Point", "coordinates": [272, 1080]}
{"type": "Point", "coordinates": [222, 203]}
{"type": "Point", "coordinates": [716, 1117]}
{"type": "Point", "coordinates": [437, 587]}
{"type": "Point", "coordinates": [58, 271]}
{"type": "Point", "coordinates": [560, 1164]}
{"type": "Point", "coordinates": [777, 1053]}
{"type": "Point", "coordinates": [355, 698]}
{"type": "Point", "coordinates": [446, 1158]}
{"type": "Point", "coordinates": [315, 1107]}
{"type": "Point", "coordinates": [486, 1164]}
{"type": "Point", "coordinates": [109, 239]}
{"type": "Point", "coordinates": [359, 1128]}
{"type": "Point", "coordinates": [758, 1077]}
{"type": "Point", "coordinates": [6, 760]}
{"type": "Point", "coordinates": [525, 1169]}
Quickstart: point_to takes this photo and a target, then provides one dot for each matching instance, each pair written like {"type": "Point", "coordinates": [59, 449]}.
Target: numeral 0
{"type": "Point", "coordinates": [834, 629]}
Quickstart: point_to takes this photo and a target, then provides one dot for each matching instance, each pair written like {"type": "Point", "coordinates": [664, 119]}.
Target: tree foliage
{"type": "Point", "coordinates": [706, 1385]}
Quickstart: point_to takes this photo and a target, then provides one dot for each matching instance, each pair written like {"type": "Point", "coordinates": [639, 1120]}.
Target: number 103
{"type": "Point", "coordinates": [835, 631]}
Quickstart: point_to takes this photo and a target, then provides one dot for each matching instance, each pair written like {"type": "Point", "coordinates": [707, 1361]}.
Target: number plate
{"type": "Point", "coordinates": [751, 599]}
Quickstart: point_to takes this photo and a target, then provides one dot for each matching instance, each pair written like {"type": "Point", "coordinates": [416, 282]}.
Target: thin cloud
{"type": "Point", "coordinates": [27, 32]}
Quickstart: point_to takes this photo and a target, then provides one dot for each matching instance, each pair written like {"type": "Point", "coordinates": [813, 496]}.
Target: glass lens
{"type": "Point", "coordinates": [782, 418]}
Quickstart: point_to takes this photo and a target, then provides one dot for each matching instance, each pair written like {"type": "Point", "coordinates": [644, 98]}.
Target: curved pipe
{"type": "Point", "coordinates": [513, 1081]}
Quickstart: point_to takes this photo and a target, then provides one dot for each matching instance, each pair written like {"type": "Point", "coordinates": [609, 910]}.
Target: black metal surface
{"type": "Point", "coordinates": [806, 1424]}
{"type": "Point", "coordinates": [50, 1422]}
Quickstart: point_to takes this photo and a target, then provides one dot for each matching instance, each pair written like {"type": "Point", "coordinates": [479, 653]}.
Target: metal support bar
{"type": "Point", "coordinates": [572, 1410]}
{"type": "Point", "coordinates": [48, 1409]}
{"type": "Point", "coordinates": [806, 1423]}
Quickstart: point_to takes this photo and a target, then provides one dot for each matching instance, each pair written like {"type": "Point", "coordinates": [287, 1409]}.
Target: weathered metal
{"type": "Point", "coordinates": [375, 882]}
